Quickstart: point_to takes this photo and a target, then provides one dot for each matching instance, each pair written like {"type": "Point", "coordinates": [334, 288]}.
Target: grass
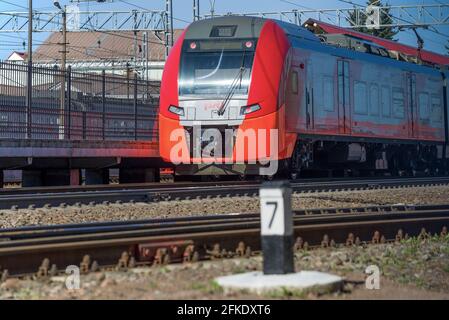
{"type": "Point", "coordinates": [214, 287]}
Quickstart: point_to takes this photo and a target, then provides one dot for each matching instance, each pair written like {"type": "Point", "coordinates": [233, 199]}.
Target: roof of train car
{"type": "Point", "coordinates": [427, 56]}
{"type": "Point", "coordinates": [249, 26]}
{"type": "Point", "coordinates": [252, 25]}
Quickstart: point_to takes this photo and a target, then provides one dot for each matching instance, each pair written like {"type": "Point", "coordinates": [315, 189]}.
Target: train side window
{"type": "Point", "coordinates": [328, 93]}
{"type": "Point", "coordinates": [398, 103]}
{"type": "Point", "coordinates": [374, 100]}
{"type": "Point", "coordinates": [386, 102]}
{"type": "Point", "coordinates": [360, 103]}
{"type": "Point", "coordinates": [294, 83]}
{"type": "Point", "coordinates": [424, 110]}
{"type": "Point", "coordinates": [437, 114]}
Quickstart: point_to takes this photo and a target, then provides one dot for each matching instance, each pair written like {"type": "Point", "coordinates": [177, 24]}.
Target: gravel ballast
{"type": "Point", "coordinates": [167, 209]}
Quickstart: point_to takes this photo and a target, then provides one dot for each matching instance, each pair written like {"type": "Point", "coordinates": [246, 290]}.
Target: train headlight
{"type": "Point", "coordinates": [249, 109]}
{"type": "Point", "coordinates": [176, 110]}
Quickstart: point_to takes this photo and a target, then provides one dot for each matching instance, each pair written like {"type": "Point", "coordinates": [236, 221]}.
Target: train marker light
{"type": "Point", "coordinates": [193, 45]}
{"type": "Point", "coordinates": [248, 44]}
{"type": "Point", "coordinates": [249, 109]}
{"type": "Point", "coordinates": [276, 227]}
{"type": "Point", "coordinates": [176, 110]}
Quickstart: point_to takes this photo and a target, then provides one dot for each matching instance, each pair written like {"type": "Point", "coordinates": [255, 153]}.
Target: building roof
{"type": "Point", "coordinates": [22, 55]}
{"type": "Point", "coordinates": [426, 56]}
{"type": "Point", "coordinates": [101, 45]}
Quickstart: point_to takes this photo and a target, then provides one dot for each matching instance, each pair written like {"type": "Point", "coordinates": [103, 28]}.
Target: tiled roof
{"type": "Point", "coordinates": [23, 55]}
{"type": "Point", "coordinates": [99, 45]}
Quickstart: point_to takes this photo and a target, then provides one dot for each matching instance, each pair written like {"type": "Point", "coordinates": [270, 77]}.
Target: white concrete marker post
{"type": "Point", "coordinates": [277, 245]}
{"type": "Point", "coordinates": [276, 227]}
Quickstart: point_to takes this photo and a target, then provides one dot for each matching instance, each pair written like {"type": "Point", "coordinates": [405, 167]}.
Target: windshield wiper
{"type": "Point", "coordinates": [234, 86]}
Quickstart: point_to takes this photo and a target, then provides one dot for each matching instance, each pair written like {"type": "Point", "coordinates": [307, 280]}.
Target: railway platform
{"type": "Point", "coordinates": [55, 162]}
{"type": "Point", "coordinates": [98, 122]}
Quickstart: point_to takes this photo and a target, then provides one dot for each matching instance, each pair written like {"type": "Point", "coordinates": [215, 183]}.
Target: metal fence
{"type": "Point", "coordinates": [91, 106]}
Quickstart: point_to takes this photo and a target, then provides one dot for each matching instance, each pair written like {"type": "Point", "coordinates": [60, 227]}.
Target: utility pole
{"type": "Point", "coordinates": [63, 69]}
{"type": "Point", "coordinates": [145, 54]}
{"type": "Point", "coordinates": [136, 53]}
{"type": "Point", "coordinates": [196, 10]}
{"type": "Point", "coordinates": [29, 86]}
{"type": "Point", "coordinates": [168, 26]}
{"type": "Point", "coordinates": [63, 72]}
{"type": "Point", "coordinates": [64, 40]}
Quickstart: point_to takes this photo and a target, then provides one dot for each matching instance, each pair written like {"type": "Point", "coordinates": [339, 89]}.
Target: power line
{"type": "Point", "coordinates": [111, 33]}
{"type": "Point", "coordinates": [14, 4]}
{"type": "Point", "coordinates": [401, 19]}
{"type": "Point", "coordinates": [308, 8]}
{"type": "Point", "coordinates": [142, 8]}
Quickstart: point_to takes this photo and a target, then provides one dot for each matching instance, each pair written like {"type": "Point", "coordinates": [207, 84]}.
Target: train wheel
{"type": "Point", "coordinates": [295, 163]}
{"type": "Point", "coordinates": [293, 175]}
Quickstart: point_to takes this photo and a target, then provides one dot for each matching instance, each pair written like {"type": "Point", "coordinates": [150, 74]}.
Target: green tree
{"type": "Point", "coordinates": [385, 19]}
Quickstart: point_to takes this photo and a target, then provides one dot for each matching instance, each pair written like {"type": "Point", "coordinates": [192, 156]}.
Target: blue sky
{"type": "Point", "coordinates": [183, 14]}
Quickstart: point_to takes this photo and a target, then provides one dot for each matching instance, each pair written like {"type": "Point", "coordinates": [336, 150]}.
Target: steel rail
{"type": "Point", "coordinates": [44, 231]}
{"type": "Point", "coordinates": [158, 192]}
{"type": "Point", "coordinates": [150, 244]}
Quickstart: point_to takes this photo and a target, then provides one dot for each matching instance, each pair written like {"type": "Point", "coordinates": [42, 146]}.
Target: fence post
{"type": "Point", "coordinates": [69, 100]}
{"type": "Point", "coordinates": [103, 103]}
{"type": "Point", "coordinates": [84, 118]}
{"type": "Point", "coordinates": [135, 106]}
{"type": "Point", "coordinates": [29, 97]}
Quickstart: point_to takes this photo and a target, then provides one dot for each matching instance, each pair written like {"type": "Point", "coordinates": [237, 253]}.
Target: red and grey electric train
{"type": "Point", "coordinates": [331, 106]}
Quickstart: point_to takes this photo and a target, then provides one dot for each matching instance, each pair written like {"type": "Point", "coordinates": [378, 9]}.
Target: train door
{"type": "Point", "coordinates": [413, 110]}
{"type": "Point", "coordinates": [344, 110]}
{"type": "Point", "coordinates": [292, 100]}
{"type": "Point", "coordinates": [309, 114]}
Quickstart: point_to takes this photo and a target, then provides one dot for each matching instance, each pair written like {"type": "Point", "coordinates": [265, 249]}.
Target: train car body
{"type": "Point", "coordinates": [286, 96]}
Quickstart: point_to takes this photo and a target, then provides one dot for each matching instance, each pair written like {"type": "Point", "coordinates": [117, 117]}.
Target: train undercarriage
{"type": "Point", "coordinates": [334, 158]}
{"type": "Point", "coordinates": [323, 158]}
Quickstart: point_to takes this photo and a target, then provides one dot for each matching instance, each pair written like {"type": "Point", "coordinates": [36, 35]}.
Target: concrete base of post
{"type": "Point", "coordinates": [137, 175]}
{"type": "Point", "coordinates": [96, 176]}
{"type": "Point", "coordinates": [274, 284]}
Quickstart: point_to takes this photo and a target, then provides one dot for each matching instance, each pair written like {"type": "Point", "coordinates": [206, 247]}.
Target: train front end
{"type": "Point", "coordinates": [222, 109]}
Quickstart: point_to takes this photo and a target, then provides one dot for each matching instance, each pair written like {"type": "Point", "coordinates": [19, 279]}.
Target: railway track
{"type": "Point", "coordinates": [45, 250]}
{"type": "Point", "coordinates": [90, 195]}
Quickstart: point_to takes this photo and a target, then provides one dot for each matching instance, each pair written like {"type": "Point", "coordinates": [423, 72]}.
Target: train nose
{"type": "Point", "coordinates": [211, 111]}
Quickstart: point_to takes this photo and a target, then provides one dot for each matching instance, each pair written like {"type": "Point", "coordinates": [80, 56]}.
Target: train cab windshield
{"type": "Point", "coordinates": [216, 68]}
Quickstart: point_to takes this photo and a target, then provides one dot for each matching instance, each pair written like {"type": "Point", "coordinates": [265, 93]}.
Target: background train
{"type": "Point", "coordinates": [336, 102]}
